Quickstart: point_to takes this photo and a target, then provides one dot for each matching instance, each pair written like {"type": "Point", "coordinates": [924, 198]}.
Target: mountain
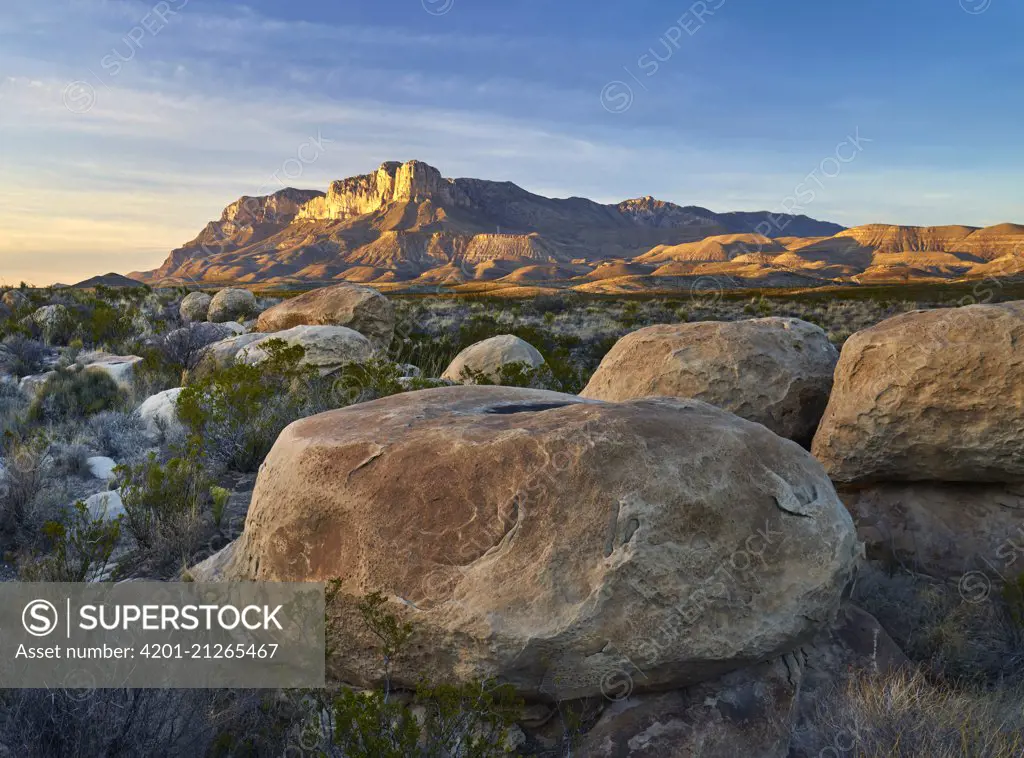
{"type": "Point", "coordinates": [406, 222]}
{"type": "Point", "coordinates": [105, 280]}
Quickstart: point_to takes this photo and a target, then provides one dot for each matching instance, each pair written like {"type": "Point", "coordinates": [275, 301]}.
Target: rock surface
{"type": "Point", "coordinates": [159, 415]}
{"type": "Point", "coordinates": [33, 384]}
{"type": "Point", "coordinates": [360, 308]}
{"type": "Point", "coordinates": [101, 467]}
{"type": "Point", "coordinates": [231, 304]}
{"type": "Point", "coordinates": [775, 371]}
{"type": "Point", "coordinates": [746, 713]}
{"type": "Point", "coordinates": [942, 529]}
{"type": "Point", "coordinates": [488, 356]}
{"type": "Point", "coordinates": [106, 506]}
{"type": "Point", "coordinates": [546, 539]}
{"type": "Point", "coordinates": [15, 299]}
{"type": "Point", "coordinates": [929, 395]}
{"type": "Point", "coordinates": [120, 368]}
{"type": "Point", "coordinates": [223, 353]}
{"type": "Point", "coordinates": [195, 306]}
{"type": "Point", "coordinates": [327, 347]}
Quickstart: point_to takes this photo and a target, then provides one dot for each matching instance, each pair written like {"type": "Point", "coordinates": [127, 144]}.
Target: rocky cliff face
{"type": "Point", "coordinates": [393, 182]}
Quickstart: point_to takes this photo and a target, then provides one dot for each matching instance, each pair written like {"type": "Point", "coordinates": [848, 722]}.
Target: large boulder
{"type": "Point", "coordinates": [159, 416]}
{"type": "Point", "coordinates": [489, 356]}
{"type": "Point", "coordinates": [185, 346]}
{"type": "Point", "coordinates": [775, 371]}
{"type": "Point", "coordinates": [942, 529]}
{"type": "Point", "coordinates": [929, 395]}
{"type": "Point", "coordinates": [363, 309]}
{"type": "Point", "coordinates": [232, 305]}
{"type": "Point", "coordinates": [546, 539]}
{"type": "Point", "coordinates": [327, 347]}
{"type": "Point", "coordinates": [222, 354]}
{"type": "Point", "coordinates": [195, 306]}
{"type": "Point", "coordinates": [54, 321]}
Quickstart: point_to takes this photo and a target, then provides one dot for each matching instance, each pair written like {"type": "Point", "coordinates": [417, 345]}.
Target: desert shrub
{"type": "Point", "coordinates": [156, 372]}
{"type": "Point", "coordinates": [69, 459]}
{"type": "Point", "coordinates": [63, 723]}
{"type": "Point", "coordinates": [463, 721]}
{"type": "Point", "coordinates": [237, 412]}
{"type": "Point", "coordinates": [80, 547]}
{"type": "Point", "coordinates": [905, 715]}
{"type": "Point", "coordinates": [12, 407]}
{"type": "Point", "coordinates": [952, 639]}
{"type": "Point", "coordinates": [26, 355]}
{"type": "Point", "coordinates": [164, 504]}
{"type": "Point", "coordinates": [361, 382]}
{"type": "Point", "coordinates": [515, 374]}
{"type": "Point", "coordinates": [24, 478]}
{"type": "Point", "coordinates": [115, 434]}
{"type": "Point", "coordinates": [104, 325]}
{"type": "Point", "coordinates": [75, 394]}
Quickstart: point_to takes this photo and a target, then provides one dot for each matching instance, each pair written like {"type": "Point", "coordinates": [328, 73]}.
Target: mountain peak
{"type": "Point", "coordinates": [394, 182]}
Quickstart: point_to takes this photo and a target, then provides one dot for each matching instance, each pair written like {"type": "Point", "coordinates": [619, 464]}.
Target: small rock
{"type": "Point", "coordinates": [101, 467]}
{"type": "Point", "coordinates": [159, 415]}
{"type": "Point", "coordinates": [106, 506]}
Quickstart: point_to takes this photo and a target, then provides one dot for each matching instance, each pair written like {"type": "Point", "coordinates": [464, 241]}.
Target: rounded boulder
{"type": "Point", "coordinates": [363, 309]}
{"type": "Point", "coordinates": [195, 306]}
{"type": "Point", "coordinates": [489, 356]}
{"type": "Point", "coordinates": [550, 540]}
{"type": "Point", "coordinates": [232, 305]}
{"type": "Point", "coordinates": [775, 371]}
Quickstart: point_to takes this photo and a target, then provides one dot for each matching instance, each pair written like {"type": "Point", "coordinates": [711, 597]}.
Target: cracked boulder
{"type": "Point", "coordinates": [556, 542]}
{"type": "Point", "coordinates": [775, 371]}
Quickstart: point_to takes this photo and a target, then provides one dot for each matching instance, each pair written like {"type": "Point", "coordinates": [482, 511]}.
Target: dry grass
{"type": "Point", "coordinates": [906, 715]}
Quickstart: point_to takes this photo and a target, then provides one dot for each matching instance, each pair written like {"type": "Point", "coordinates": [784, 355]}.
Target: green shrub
{"type": "Point", "coordinates": [75, 394]}
{"type": "Point", "coordinates": [464, 721]}
{"type": "Point", "coordinates": [516, 374]}
{"type": "Point", "coordinates": [106, 325]}
{"type": "Point", "coordinates": [237, 412]}
{"type": "Point", "coordinates": [80, 548]}
{"type": "Point", "coordinates": [164, 506]}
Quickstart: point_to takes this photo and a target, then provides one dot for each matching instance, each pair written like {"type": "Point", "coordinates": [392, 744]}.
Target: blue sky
{"type": "Point", "coordinates": [126, 125]}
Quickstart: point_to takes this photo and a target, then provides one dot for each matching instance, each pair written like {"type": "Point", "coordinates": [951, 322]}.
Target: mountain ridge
{"type": "Point", "coordinates": [405, 222]}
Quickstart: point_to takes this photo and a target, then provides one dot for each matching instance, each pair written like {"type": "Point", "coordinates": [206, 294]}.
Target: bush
{"type": "Point", "coordinates": [80, 548]}
{"type": "Point", "coordinates": [115, 434]}
{"type": "Point", "coordinates": [75, 394]}
{"type": "Point", "coordinates": [516, 374]}
{"type": "Point", "coordinates": [105, 325]}
{"type": "Point", "coordinates": [164, 505]}
{"type": "Point", "coordinates": [26, 355]}
{"type": "Point", "coordinates": [24, 476]}
{"type": "Point", "coordinates": [62, 723]}
{"type": "Point", "coordinates": [461, 721]}
{"type": "Point", "coordinates": [237, 412]}
{"type": "Point", "coordinates": [904, 715]}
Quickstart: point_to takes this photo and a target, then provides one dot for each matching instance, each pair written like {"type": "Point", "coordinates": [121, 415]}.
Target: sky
{"type": "Point", "coordinates": [125, 126]}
